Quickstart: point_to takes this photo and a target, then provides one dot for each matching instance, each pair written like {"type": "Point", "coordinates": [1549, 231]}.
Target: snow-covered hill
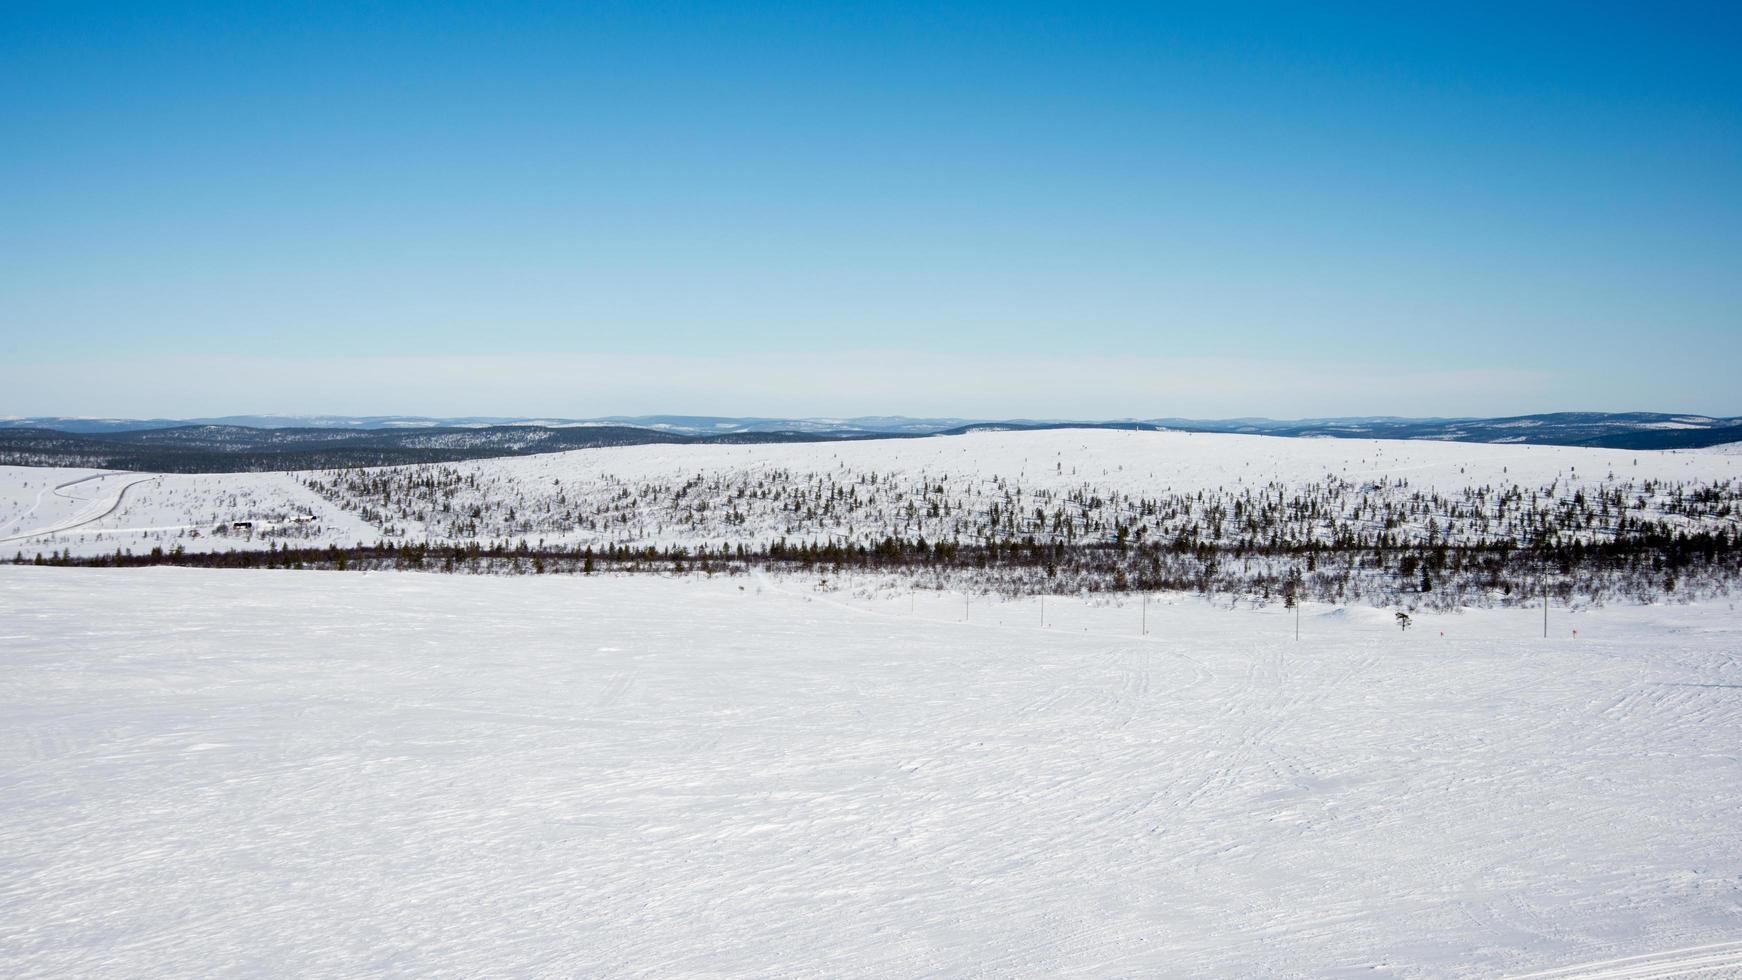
{"type": "Point", "coordinates": [1066, 485]}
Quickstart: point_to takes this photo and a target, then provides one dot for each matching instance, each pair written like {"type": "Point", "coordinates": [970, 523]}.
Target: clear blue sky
{"type": "Point", "coordinates": [990, 209]}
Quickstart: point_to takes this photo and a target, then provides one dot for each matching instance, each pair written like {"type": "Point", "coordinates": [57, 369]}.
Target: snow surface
{"type": "Point", "coordinates": [339, 774]}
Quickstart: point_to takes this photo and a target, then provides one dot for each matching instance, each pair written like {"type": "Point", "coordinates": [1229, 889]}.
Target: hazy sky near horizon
{"type": "Point", "coordinates": [1010, 209]}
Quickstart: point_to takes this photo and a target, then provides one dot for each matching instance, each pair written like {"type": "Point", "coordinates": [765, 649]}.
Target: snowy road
{"type": "Point", "coordinates": [327, 774]}
{"type": "Point", "coordinates": [88, 510]}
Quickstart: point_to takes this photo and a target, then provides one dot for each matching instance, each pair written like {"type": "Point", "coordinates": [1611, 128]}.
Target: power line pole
{"type": "Point", "coordinates": [1545, 612]}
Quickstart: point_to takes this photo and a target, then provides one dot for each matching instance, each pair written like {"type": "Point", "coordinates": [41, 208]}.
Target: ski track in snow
{"type": "Point", "coordinates": [1711, 960]}
{"type": "Point", "coordinates": [334, 774]}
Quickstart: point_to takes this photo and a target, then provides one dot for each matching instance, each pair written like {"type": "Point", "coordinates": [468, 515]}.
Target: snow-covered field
{"type": "Point", "coordinates": [336, 774]}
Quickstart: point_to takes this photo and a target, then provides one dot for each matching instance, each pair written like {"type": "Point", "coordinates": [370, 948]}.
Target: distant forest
{"type": "Point", "coordinates": [1645, 568]}
{"type": "Point", "coordinates": [239, 449]}
{"type": "Point", "coordinates": [227, 448]}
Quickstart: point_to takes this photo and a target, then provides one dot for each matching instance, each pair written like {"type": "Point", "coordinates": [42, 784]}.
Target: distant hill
{"type": "Point", "coordinates": [692, 425]}
{"type": "Point", "coordinates": [1610, 430]}
{"type": "Point", "coordinates": [242, 443]}
{"type": "Point", "coordinates": [233, 448]}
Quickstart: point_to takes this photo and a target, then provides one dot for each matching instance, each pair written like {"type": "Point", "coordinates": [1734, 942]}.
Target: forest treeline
{"type": "Point", "coordinates": [1644, 567]}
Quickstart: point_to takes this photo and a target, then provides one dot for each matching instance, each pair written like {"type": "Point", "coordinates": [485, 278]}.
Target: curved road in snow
{"type": "Point", "coordinates": [79, 520]}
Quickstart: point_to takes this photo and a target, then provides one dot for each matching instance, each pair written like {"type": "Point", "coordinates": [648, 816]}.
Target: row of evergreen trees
{"type": "Point", "coordinates": [1642, 568]}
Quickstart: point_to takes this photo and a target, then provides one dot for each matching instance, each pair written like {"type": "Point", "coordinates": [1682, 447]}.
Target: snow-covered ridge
{"type": "Point", "coordinates": [1067, 485]}
{"type": "Point", "coordinates": [1077, 486]}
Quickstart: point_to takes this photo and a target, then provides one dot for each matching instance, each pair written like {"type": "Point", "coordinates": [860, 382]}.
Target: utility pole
{"type": "Point", "coordinates": [1545, 611]}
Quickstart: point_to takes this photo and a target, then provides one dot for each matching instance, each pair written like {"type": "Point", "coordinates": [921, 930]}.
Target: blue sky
{"type": "Point", "coordinates": [988, 209]}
